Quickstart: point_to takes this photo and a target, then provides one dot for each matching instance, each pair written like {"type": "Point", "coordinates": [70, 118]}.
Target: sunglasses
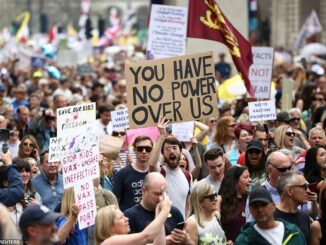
{"type": "Point", "coordinates": [28, 145]}
{"type": "Point", "coordinates": [212, 197]}
{"type": "Point", "coordinates": [142, 148]}
{"type": "Point", "coordinates": [116, 134]}
{"type": "Point", "coordinates": [213, 121]}
{"type": "Point", "coordinates": [282, 170]}
{"type": "Point", "coordinates": [304, 186]}
{"type": "Point", "coordinates": [295, 119]}
{"type": "Point", "coordinates": [290, 134]}
{"type": "Point", "coordinates": [256, 151]}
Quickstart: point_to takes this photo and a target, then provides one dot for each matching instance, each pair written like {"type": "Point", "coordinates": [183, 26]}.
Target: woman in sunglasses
{"type": "Point", "coordinates": [203, 225]}
{"type": "Point", "coordinates": [315, 165]}
{"type": "Point", "coordinates": [28, 148]}
{"type": "Point", "coordinates": [255, 160]}
{"type": "Point", "coordinates": [284, 138]}
{"type": "Point", "coordinates": [234, 192]}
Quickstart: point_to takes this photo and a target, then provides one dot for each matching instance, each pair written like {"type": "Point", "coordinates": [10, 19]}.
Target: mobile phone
{"type": "Point", "coordinates": [180, 225]}
{"type": "Point", "coordinates": [313, 187]}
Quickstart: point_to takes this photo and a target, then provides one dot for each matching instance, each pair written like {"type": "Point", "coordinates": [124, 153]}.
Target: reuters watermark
{"type": "Point", "coordinates": [11, 241]}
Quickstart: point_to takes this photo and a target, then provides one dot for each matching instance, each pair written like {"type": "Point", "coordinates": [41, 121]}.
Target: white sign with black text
{"type": "Point", "coordinates": [262, 111]}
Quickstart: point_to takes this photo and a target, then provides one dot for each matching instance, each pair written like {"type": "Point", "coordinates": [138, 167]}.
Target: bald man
{"type": "Point", "coordinates": [140, 215]}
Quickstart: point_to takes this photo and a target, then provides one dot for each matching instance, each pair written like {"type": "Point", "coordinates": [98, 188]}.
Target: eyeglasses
{"type": "Point", "coordinates": [27, 144]}
{"type": "Point", "coordinates": [282, 170]}
{"type": "Point", "coordinates": [304, 186]}
{"type": "Point", "coordinates": [212, 197]}
{"type": "Point", "coordinates": [142, 148]}
{"type": "Point", "coordinates": [290, 134]}
{"type": "Point", "coordinates": [116, 134]}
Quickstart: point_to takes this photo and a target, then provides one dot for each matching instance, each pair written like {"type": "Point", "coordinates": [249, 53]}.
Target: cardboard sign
{"type": "Point", "coordinates": [80, 167]}
{"type": "Point", "coordinates": [180, 88]}
{"type": "Point", "coordinates": [183, 131]}
{"type": "Point", "coordinates": [110, 146]}
{"type": "Point", "coordinates": [260, 72]}
{"type": "Point", "coordinates": [119, 119]}
{"type": "Point", "coordinates": [85, 199]}
{"type": "Point", "coordinates": [67, 58]}
{"type": "Point", "coordinates": [73, 120]}
{"type": "Point", "coordinates": [262, 111]}
{"type": "Point", "coordinates": [167, 31]}
{"type": "Point", "coordinates": [287, 91]}
{"type": "Point", "coordinates": [60, 147]}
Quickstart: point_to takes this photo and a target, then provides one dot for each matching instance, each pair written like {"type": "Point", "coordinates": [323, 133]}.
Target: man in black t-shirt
{"type": "Point", "coordinates": [143, 213]}
{"type": "Point", "coordinates": [294, 191]}
{"type": "Point", "coordinates": [128, 181]}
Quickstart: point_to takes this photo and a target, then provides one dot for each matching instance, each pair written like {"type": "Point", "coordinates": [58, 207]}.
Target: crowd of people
{"type": "Point", "coordinates": [235, 182]}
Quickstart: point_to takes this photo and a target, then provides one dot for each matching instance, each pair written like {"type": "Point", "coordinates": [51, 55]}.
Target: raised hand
{"type": "Point", "coordinates": [162, 124]}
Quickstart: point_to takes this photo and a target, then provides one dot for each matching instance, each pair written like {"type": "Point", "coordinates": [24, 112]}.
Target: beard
{"type": "Point", "coordinates": [172, 161]}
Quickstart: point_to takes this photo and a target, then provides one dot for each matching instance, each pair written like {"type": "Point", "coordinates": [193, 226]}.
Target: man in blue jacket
{"type": "Point", "coordinates": [267, 230]}
{"type": "Point", "coordinates": [11, 185]}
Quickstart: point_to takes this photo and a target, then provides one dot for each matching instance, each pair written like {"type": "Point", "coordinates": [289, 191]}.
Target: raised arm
{"type": "Point", "coordinates": [150, 232]}
{"type": "Point", "coordinates": [197, 159]}
{"type": "Point", "coordinates": [155, 154]}
{"type": "Point", "coordinates": [65, 229]}
{"type": "Point", "coordinates": [204, 129]}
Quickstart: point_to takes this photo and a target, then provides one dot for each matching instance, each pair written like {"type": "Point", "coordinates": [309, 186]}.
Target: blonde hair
{"type": "Point", "coordinates": [197, 196]}
{"type": "Point", "coordinates": [68, 199]}
{"type": "Point", "coordinates": [104, 222]}
{"type": "Point", "coordinates": [280, 135]}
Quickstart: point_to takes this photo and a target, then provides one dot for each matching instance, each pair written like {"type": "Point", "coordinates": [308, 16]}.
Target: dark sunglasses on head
{"type": "Point", "coordinates": [304, 186]}
{"type": "Point", "coordinates": [290, 134]}
{"type": "Point", "coordinates": [142, 148]}
{"type": "Point", "coordinates": [282, 170]}
{"type": "Point", "coordinates": [28, 145]}
{"type": "Point", "coordinates": [211, 197]}
{"type": "Point", "coordinates": [116, 134]}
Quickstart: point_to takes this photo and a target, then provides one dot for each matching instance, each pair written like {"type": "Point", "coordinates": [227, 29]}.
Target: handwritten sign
{"type": "Point", "coordinates": [119, 119]}
{"type": "Point", "coordinates": [67, 57]}
{"type": "Point", "coordinates": [63, 146]}
{"type": "Point", "coordinates": [80, 167]}
{"type": "Point", "coordinates": [180, 88]}
{"type": "Point", "coordinates": [72, 120]}
{"type": "Point", "coordinates": [262, 111]}
{"type": "Point", "coordinates": [167, 31]}
{"type": "Point", "coordinates": [183, 131]}
{"type": "Point", "coordinates": [85, 198]}
{"type": "Point", "coordinates": [260, 72]}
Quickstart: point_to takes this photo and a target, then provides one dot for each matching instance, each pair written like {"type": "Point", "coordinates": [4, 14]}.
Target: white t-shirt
{"type": "Point", "coordinates": [273, 236]}
{"type": "Point", "coordinates": [178, 188]}
{"type": "Point", "coordinates": [209, 180]}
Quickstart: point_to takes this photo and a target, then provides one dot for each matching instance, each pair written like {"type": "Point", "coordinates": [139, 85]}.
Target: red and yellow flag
{"type": "Point", "coordinates": [206, 20]}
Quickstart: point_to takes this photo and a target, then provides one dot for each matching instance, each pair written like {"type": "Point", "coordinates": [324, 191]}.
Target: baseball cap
{"type": "Point", "coordinates": [317, 69]}
{"type": "Point", "coordinates": [37, 74]}
{"type": "Point", "coordinates": [260, 194]}
{"type": "Point", "coordinates": [255, 144]}
{"type": "Point", "coordinates": [283, 116]}
{"type": "Point", "coordinates": [37, 214]}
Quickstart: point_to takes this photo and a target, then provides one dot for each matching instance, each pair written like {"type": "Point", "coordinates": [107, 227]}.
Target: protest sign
{"type": "Point", "coordinates": [84, 69]}
{"type": "Point", "coordinates": [72, 120]}
{"type": "Point", "coordinates": [67, 57]}
{"type": "Point", "coordinates": [262, 111]}
{"type": "Point", "coordinates": [85, 199]}
{"type": "Point", "coordinates": [260, 72]}
{"type": "Point", "coordinates": [183, 131]}
{"type": "Point", "coordinates": [37, 62]}
{"type": "Point", "coordinates": [180, 88]}
{"type": "Point", "coordinates": [167, 31]}
{"type": "Point", "coordinates": [80, 167]}
{"type": "Point", "coordinates": [60, 147]}
{"type": "Point", "coordinates": [110, 146]}
{"type": "Point", "coordinates": [119, 119]}
{"type": "Point", "coordinates": [287, 91]}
